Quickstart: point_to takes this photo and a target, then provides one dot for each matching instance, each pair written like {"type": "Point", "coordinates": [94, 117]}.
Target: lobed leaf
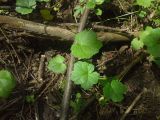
{"type": "Point", "coordinates": [83, 74]}
{"type": "Point", "coordinates": [114, 90]}
{"type": "Point", "coordinates": [86, 44]}
{"type": "Point", "coordinates": [56, 64]}
{"type": "Point", "coordinates": [25, 6]}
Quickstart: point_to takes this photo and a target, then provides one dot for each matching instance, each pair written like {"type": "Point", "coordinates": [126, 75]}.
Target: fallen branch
{"type": "Point", "coordinates": [133, 104]}
{"type": "Point", "coordinates": [53, 31]}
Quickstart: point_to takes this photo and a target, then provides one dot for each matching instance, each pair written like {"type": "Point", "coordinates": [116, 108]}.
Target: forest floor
{"type": "Point", "coordinates": [26, 55]}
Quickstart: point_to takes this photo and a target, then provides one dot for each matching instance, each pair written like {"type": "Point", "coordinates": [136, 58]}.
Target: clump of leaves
{"type": "Point", "coordinates": [114, 90]}
{"type": "Point", "coordinates": [83, 74]}
{"type": "Point", "coordinates": [56, 64]}
{"type": "Point", "coordinates": [90, 4]}
{"type": "Point", "coordinates": [7, 83]}
{"type": "Point", "coordinates": [27, 6]}
{"type": "Point", "coordinates": [86, 44]}
{"type": "Point", "coordinates": [150, 38]}
{"type": "Point", "coordinates": [78, 103]}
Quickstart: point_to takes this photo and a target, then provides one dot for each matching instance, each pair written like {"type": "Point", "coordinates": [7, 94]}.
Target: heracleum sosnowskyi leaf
{"type": "Point", "coordinates": [25, 6]}
{"type": "Point", "coordinates": [56, 64]}
{"type": "Point", "coordinates": [114, 91]}
{"type": "Point", "coordinates": [86, 44]}
{"type": "Point", "coordinates": [83, 74]}
{"type": "Point", "coordinates": [7, 83]}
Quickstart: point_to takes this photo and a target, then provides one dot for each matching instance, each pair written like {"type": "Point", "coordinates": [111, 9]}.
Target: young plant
{"type": "Point", "coordinates": [114, 90]}
{"type": "Point", "coordinates": [149, 39]}
{"type": "Point", "coordinates": [78, 103]}
{"type": "Point", "coordinates": [84, 47]}
{"type": "Point", "coordinates": [56, 64]}
{"type": "Point", "coordinates": [90, 4]}
{"type": "Point", "coordinates": [7, 83]}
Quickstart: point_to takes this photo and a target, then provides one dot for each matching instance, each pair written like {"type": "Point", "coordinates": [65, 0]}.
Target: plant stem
{"type": "Point", "coordinates": [68, 87]}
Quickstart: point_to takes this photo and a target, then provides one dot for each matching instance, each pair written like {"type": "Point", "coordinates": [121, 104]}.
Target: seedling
{"type": "Point", "coordinates": [149, 38]}
{"type": "Point", "coordinates": [90, 4]}
{"type": "Point", "coordinates": [56, 64]}
{"type": "Point", "coordinates": [78, 103]}
{"type": "Point", "coordinates": [85, 46]}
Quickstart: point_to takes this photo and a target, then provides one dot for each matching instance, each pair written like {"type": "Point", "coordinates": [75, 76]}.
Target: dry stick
{"type": "Point", "coordinates": [139, 56]}
{"type": "Point", "coordinates": [41, 68]}
{"type": "Point", "coordinates": [68, 87]}
{"type": "Point", "coordinates": [52, 31]}
{"type": "Point", "coordinates": [97, 27]}
{"type": "Point", "coordinates": [133, 104]}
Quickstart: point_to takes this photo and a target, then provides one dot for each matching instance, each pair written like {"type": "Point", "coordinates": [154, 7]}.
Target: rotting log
{"type": "Point", "coordinates": [55, 31]}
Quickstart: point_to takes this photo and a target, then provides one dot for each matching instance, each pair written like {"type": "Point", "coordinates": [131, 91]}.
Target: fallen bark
{"type": "Point", "coordinates": [53, 31]}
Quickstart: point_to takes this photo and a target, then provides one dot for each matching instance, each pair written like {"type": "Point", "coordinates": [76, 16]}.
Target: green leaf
{"type": "Point", "coordinates": [137, 44]}
{"type": "Point", "coordinates": [114, 91]}
{"type": "Point", "coordinates": [156, 21]}
{"type": "Point", "coordinates": [25, 6]}
{"type": "Point", "coordinates": [98, 11]}
{"type": "Point", "coordinates": [86, 44]}
{"type": "Point", "coordinates": [91, 4]}
{"type": "Point", "coordinates": [152, 37]}
{"type": "Point", "coordinates": [46, 14]}
{"type": "Point", "coordinates": [118, 87]}
{"type": "Point", "coordinates": [157, 61]}
{"type": "Point", "coordinates": [56, 64]}
{"type": "Point", "coordinates": [78, 10]}
{"type": "Point", "coordinates": [154, 51]}
{"type": "Point", "coordinates": [144, 3]}
{"type": "Point", "coordinates": [108, 91]}
{"type": "Point", "coordinates": [7, 83]}
{"type": "Point", "coordinates": [78, 103]}
{"type": "Point", "coordinates": [99, 2]}
{"type": "Point", "coordinates": [142, 14]}
{"type": "Point", "coordinates": [83, 74]}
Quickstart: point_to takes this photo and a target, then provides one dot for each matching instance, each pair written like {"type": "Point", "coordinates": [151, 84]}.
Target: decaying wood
{"type": "Point", "coordinates": [54, 31]}
{"type": "Point", "coordinates": [36, 27]}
